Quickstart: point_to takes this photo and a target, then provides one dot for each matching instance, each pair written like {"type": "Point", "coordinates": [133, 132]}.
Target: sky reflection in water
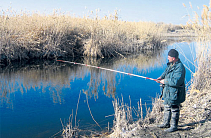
{"type": "Point", "coordinates": [35, 96]}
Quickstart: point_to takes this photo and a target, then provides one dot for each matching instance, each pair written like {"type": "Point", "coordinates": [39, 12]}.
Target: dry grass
{"type": "Point", "coordinates": [32, 35]}
{"type": "Point", "coordinates": [198, 104]}
{"type": "Point", "coordinates": [202, 27]}
{"type": "Point", "coordinates": [196, 109]}
{"type": "Point", "coordinates": [26, 36]}
{"type": "Point", "coordinates": [123, 125]}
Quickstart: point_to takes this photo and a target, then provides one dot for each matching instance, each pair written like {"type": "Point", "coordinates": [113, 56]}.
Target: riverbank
{"type": "Point", "coordinates": [153, 132]}
{"type": "Point", "coordinates": [194, 120]}
{"type": "Point", "coordinates": [28, 36]}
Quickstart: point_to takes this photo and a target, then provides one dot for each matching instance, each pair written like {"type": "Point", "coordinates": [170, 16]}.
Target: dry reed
{"type": "Point", "coordinates": [202, 27]}
{"type": "Point", "coordinates": [198, 98]}
{"type": "Point", "coordinates": [123, 125]}
{"type": "Point", "coordinates": [32, 35]}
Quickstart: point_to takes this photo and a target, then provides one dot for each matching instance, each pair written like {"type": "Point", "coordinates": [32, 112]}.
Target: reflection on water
{"type": "Point", "coordinates": [35, 95]}
{"type": "Point", "coordinates": [53, 76]}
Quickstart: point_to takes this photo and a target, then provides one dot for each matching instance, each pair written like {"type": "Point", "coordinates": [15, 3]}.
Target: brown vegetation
{"type": "Point", "coordinates": [32, 35]}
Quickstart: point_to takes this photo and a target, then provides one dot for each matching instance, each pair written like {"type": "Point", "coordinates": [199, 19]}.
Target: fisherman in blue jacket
{"type": "Point", "coordinates": [173, 80]}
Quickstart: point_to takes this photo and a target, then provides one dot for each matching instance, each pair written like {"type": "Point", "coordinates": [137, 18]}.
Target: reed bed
{"type": "Point", "coordinates": [33, 35]}
{"type": "Point", "coordinates": [198, 98]}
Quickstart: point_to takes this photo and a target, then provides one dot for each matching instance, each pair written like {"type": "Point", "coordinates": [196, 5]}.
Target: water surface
{"type": "Point", "coordinates": [36, 96]}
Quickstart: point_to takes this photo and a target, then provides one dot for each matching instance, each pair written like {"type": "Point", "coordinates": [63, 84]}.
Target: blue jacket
{"type": "Point", "coordinates": [174, 80]}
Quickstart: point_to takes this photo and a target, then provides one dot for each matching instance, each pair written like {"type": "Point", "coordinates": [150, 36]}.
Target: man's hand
{"type": "Point", "coordinates": [158, 80]}
{"type": "Point", "coordinates": [162, 81]}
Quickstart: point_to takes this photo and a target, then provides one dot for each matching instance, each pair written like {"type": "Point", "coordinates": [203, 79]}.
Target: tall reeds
{"type": "Point", "coordinates": [201, 24]}
{"type": "Point", "coordinates": [199, 95]}
{"type": "Point", "coordinates": [33, 35]}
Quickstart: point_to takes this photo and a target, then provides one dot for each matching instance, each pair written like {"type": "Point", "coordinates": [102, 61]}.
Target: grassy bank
{"type": "Point", "coordinates": [32, 35]}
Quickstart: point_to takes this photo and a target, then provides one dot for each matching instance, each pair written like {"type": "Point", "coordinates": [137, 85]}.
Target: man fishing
{"type": "Point", "coordinates": [173, 81]}
{"type": "Point", "coordinates": [173, 92]}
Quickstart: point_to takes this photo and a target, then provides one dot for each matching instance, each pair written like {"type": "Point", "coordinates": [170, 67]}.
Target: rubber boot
{"type": "Point", "coordinates": [174, 120]}
{"type": "Point", "coordinates": [166, 117]}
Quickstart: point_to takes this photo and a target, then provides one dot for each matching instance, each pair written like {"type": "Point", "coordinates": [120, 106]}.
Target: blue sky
{"type": "Point", "coordinates": [167, 11]}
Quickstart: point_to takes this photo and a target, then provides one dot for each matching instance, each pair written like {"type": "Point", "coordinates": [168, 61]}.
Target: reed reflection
{"type": "Point", "coordinates": [106, 80]}
{"type": "Point", "coordinates": [53, 77]}
{"type": "Point", "coordinates": [39, 76]}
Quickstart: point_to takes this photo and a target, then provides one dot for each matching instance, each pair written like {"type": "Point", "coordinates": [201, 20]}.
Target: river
{"type": "Point", "coordinates": [38, 97]}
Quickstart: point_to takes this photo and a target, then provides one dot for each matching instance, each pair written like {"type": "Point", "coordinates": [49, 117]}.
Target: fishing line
{"type": "Point", "coordinates": [112, 70]}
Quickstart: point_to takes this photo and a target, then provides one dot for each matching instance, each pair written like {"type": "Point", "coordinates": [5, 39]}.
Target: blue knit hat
{"type": "Point", "coordinates": [173, 53]}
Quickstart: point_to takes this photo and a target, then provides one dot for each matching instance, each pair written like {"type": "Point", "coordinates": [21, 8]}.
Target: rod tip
{"type": "Point", "coordinates": [60, 60]}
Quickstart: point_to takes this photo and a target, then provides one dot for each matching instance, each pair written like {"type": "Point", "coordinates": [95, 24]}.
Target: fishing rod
{"type": "Point", "coordinates": [109, 70]}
